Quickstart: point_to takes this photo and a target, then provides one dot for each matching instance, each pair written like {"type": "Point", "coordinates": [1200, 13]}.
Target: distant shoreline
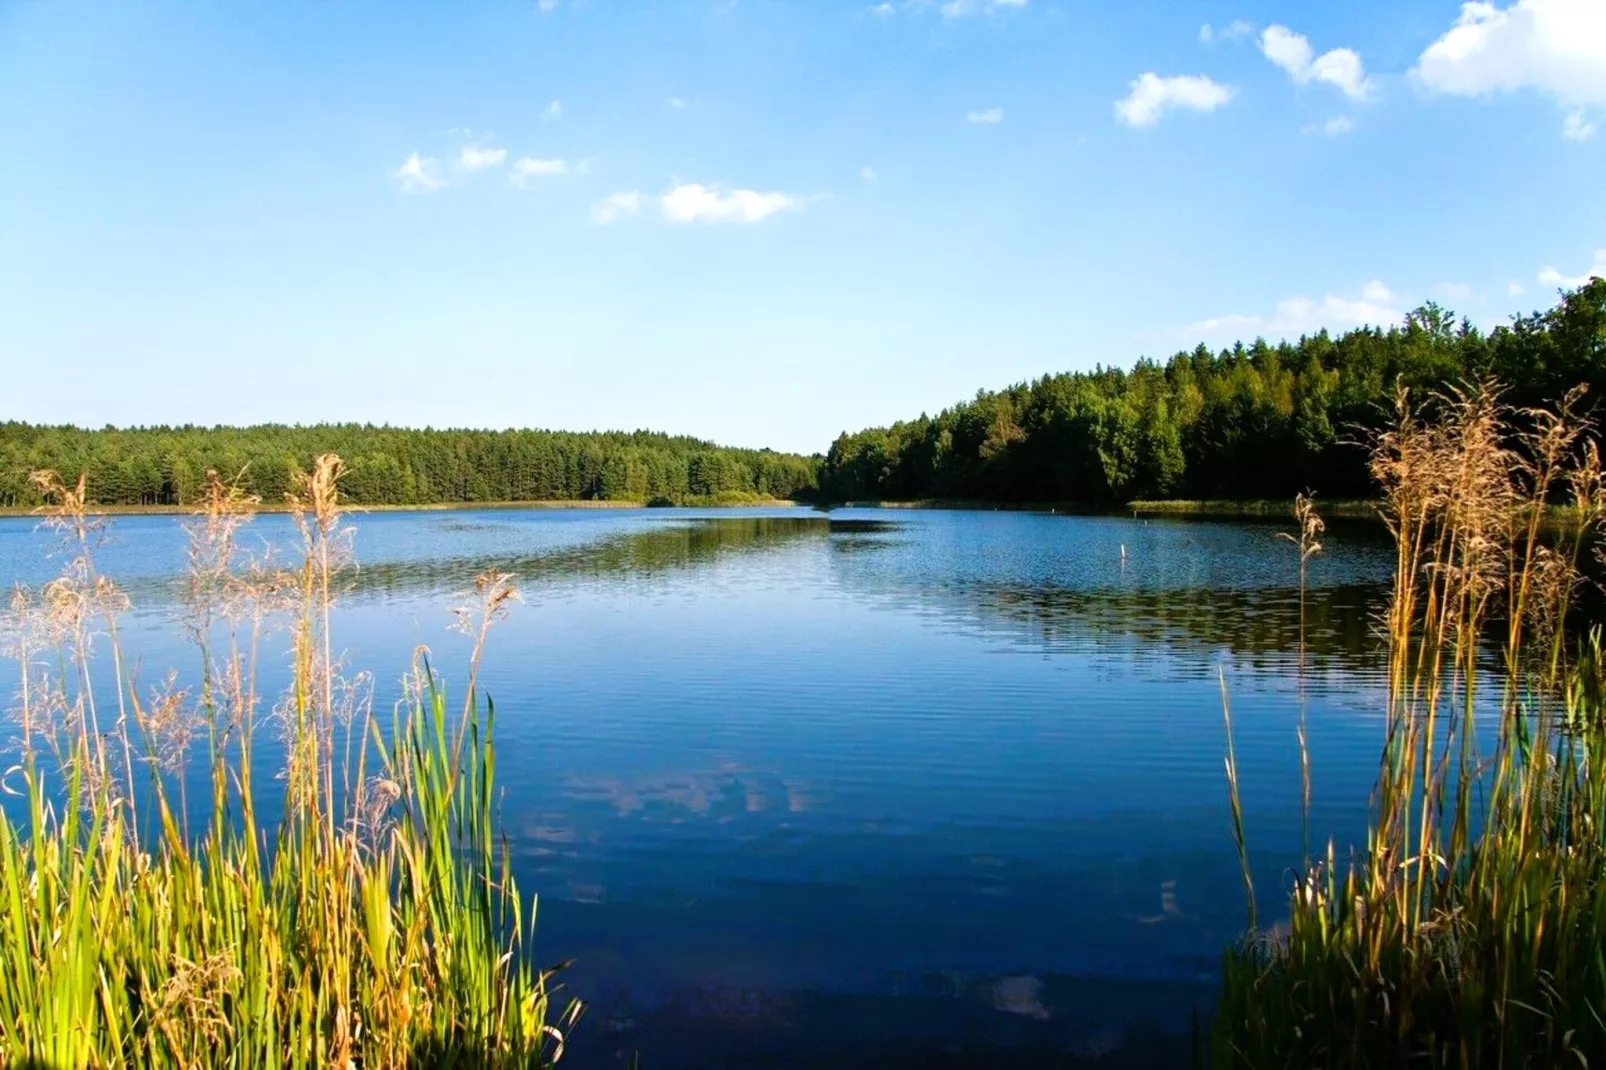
{"type": "Point", "coordinates": [430, 507]}
{"type": "Point", "coordinates": [1252, 507]}
{"type": "Point", "coordinates": [1351, 507]}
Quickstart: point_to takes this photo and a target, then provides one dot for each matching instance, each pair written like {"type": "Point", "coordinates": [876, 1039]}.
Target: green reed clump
{"type": "Point", "coordinates": [374, 924]}
{"type": "Point", "coordinates": [1471, 929]}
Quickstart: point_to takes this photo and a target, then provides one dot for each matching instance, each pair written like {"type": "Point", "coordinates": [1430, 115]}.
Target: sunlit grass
{"type": "Point", "coordinates": [1470, 929]}
{"type": "Point", "coordinates": [375, 924]}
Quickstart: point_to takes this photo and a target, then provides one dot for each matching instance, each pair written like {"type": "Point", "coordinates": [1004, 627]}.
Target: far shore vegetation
{"type": "Point", "coordinates": [728, 499]}
{"type": "Point", "coordinates": [1253, 422]}
{"type": "Point", "coordinates": [166, 467]}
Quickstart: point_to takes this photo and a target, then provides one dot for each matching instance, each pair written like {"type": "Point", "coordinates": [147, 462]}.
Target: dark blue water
{"type": "Point", "coordinates": [819, 789]}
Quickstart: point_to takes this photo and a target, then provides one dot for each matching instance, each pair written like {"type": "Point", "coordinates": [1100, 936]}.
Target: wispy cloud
{"type": "Point", "coordinates": [553, 111]}
{"type": "Point", "coordinates": [1152, 96]}
{"type": "Point", "coordinates": [1555, 47]}
{"type": "Point", "coordinates": [1578, 126]}
{"type": "Point", "coordinates": [1453, 291]}
{"type": "Point", "coordinates": [616, 206]}
{"type": "Point", "coordinates": [1340, 67]}
{"type": "Point", "coordinates": [675, 103]}
{"type": "Point", "coordinates": [882, 10]}
{"type": "Point", "coordinates": [419, 174]}
{"type": "Point", "coordinates": [694, 202]}
{"type": "Point", "coordinates": [1333, 127]}
{"type": "Point", "coordinates": [546, 7]}
{"type": "Point", "coordinates": [986, 116]}
{"type": "Point", "coordinates": [1515, 289]}
{"type": "Point", "coordinates": [1234, 31]}
{"type": "Point", "coordinates": [868, 173]}
{"type": "Point", "coordinates": [954, 9]}
{"type": "Point", "coordinates": [530, 169]}
{"type": "Point", "coordinates": [474, 158]}
{"type": "Point", "coordinates": [1549, 276]}
{"type": "Point", "coordinates": [1300, 315]}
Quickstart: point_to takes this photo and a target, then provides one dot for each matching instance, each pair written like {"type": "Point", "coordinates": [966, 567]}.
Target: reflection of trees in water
{"type": "Point", "coordinates": [653, 550]}
{"type": "Point", "coordinates": [1259, 627]}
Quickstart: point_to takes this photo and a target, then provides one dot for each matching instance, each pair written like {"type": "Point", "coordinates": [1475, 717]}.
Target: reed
{"type": "Point", "coordinates": [376, 923]}
{"type": "Point", "coordinates": [1470, 930]}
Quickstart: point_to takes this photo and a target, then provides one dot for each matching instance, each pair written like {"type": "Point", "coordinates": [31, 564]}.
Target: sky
{"type": "Point", "coordinates": [754, 221]}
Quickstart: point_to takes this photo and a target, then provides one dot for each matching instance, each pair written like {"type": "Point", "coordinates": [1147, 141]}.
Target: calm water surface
{"type": "Point", "coordinates": [841, 789]}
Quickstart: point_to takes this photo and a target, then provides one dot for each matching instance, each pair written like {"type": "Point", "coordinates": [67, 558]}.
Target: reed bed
{"type": "Point", "coordinates": [1470, 930]}
{"type": "Point", "coordinates": [372, 921]}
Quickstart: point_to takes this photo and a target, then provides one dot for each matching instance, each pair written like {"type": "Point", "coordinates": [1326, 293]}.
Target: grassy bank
{"type": "Point", "coordinates": [375, 924]}
{"type": "Point", "coordinates": [1467, 931]}
{"type": "Point", "coordinates": [1359, 509]}
{"type": "Point", "coordinates": [720, 501]}
{"type": "Point", "coordinates": [976, 505]}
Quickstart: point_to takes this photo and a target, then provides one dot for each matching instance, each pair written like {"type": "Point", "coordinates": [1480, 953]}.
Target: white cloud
{"type": "Point", "coordinates": [1453, 291]}
{"type": "Point", "coordinates": [1341, 67]}
{"type": "Point", "coordinates": [546, 7]}
{"type": "Point", "coordinates": [474, 158]}
{"type": "Point", "coordinates": [1339, 124]}
{"type": "Point", "coordinates": [1299, 315]}
{"type": "Point", "coordinates": [1578, 126]}
{"type": "Point", "coordinates": [530, 169]}
{"type": "Point", "coordinates": [1556, 47]}
{"type": "Point", "coordinates": [419, 174]}
{"type": "Point", "coordinates": [868, 173]}
{"type": "Point", "coordinates": [1549, 276]}
{"type": "Point", "coordinates": [1515, 289]}
{"type": "Point", "coordinates": [986, 117]}
{"type": "Point", "coordinates": [616, 206]}
{"type": "Point", "coordinates": [954, 9]}
{"type": "Point", "coordinates": [695, 203]}
{"type": "Point", "coordinates": [1153, 96]}
{"type": "Point", "coordinates": [1236, 30]}
{"type": "Point", "coordinates": [676, 103]}
{"type": "Point", "coordinates": [553, 111]}
{"type": "Point", "coordinates": [882, 10]}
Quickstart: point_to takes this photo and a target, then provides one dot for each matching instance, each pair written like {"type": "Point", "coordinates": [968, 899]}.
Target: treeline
{"type": "Point", "coordinates": [1252, 421]}
{"type": "Point", "coordinates": [166, 466]}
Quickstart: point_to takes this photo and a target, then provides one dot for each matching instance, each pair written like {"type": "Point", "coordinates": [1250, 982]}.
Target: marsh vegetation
{"type": "Point", "coordinates": [1467, 930]}
{"type": "Point", "coordinates": [373, 922]}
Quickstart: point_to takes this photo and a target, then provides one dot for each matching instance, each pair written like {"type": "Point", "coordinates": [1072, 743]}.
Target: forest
{"type": "Point", "coordinates": [1252, 421]}
{"type": "Point", "coordinates": [167, 466]}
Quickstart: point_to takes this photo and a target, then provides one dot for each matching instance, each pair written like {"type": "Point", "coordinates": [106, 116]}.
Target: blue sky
{"type": "Point", "coordinates": [759, 222]}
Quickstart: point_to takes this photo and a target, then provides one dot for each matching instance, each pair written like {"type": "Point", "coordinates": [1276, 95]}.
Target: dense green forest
{"type": "Point", "coordinates": [165, 465]}
{"type": "Point", "coordinates": [1253, 421]}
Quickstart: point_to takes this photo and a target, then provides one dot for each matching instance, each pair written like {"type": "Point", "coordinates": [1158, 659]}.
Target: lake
{"type": "Point", "coordinates": [866, 787]}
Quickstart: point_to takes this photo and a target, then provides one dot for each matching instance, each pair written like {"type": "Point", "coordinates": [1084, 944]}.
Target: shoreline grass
{"type": "Point", "coordinates": [716, 502]}
{"type": "Point", "coordinates": [375, 924]}
{"type": "Point", "coordinates": [1468, 930]}
{"type": "Point", "coordinates": [1221, 507]}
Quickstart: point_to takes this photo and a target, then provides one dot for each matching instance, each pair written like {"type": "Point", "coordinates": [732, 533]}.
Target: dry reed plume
{"type": "Point", "coordinates": [1468, 930]}
{"type": "Point", "coordinates": [376, 924]}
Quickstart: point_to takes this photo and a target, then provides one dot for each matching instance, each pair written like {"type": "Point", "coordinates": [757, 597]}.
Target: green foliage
{"type": "Point", "coordinates": [376, 924]}
{"type": "Point", "coordinates": [1467, 930]}
{"type": "Point", "coordinates": [1256, 421]}
{"type": "Point", "coordinates": [166, 466]}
